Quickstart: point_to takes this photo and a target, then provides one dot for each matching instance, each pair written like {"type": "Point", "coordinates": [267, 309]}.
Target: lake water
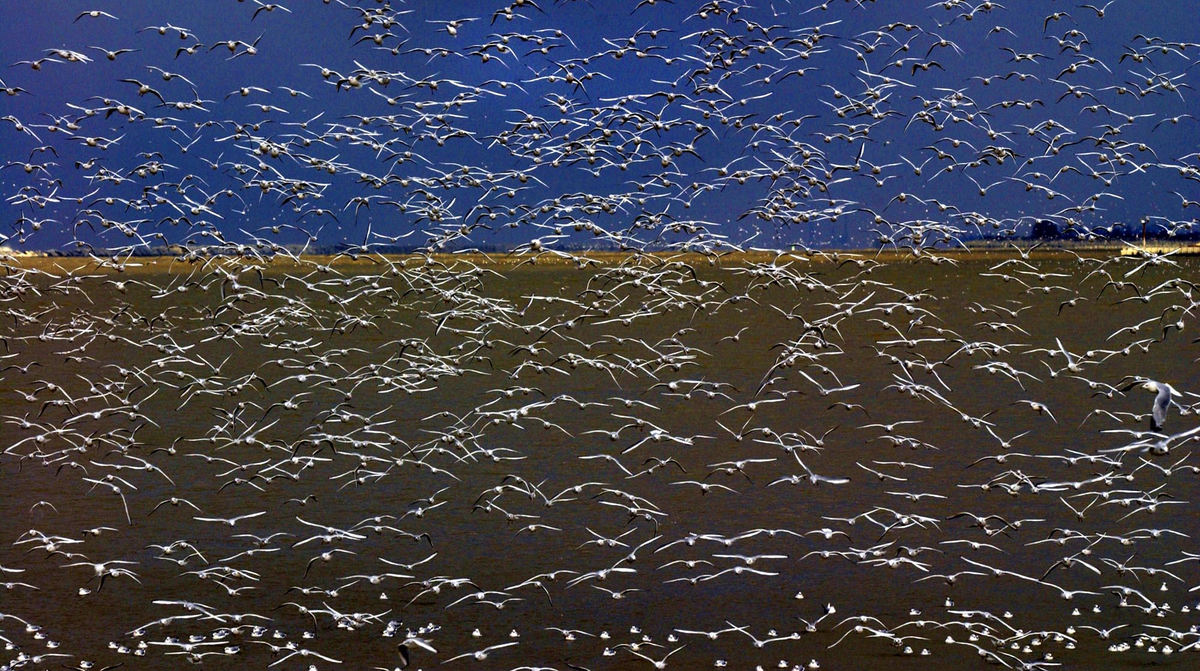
{"type": "Point", "coordinates": [485, 455]}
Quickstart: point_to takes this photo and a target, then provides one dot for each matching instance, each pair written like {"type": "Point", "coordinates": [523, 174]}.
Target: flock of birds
{"type": "Point", "coordinates": [723, 446]}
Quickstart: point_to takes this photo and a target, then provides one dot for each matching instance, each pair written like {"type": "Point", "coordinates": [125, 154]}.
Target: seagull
{"type": "Point", "coordinates": [1163, 399]}
{"type": "Point", "coordinates": [481, 655]}
{"type": "Point", "coordinates": [1156, 443]}
{"type": "Point", "coordinates": [94, 14]}
{"type": "Point", "coordinates": [231, 521]}
{"type": "Point", "coordinates": [402, 648]}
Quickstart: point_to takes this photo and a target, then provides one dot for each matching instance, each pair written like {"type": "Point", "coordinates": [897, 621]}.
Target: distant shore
{"type": "Point", "coordinates": [595, 258]}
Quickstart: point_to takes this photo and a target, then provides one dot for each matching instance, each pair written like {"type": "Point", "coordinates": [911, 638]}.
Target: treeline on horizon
{"type": "Point", "coordinates": [1047, 230]}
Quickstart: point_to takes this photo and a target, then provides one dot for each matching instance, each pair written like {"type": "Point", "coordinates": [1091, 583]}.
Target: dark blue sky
{"type": "Point", "coordinates": [551, 121]}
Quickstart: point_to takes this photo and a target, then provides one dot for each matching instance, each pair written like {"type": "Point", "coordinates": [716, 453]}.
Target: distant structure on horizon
{"type": "Point", "coordinates": [1147, 229]}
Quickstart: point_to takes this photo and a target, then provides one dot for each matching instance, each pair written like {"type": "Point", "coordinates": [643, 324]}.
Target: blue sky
{"type": "Point", "coordinates": [628, 146]}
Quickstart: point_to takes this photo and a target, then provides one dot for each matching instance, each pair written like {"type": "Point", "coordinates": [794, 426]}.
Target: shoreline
{"type": "Point", "coordinates": [598, 258]}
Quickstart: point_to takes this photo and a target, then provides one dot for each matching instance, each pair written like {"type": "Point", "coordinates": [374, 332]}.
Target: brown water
{"type": "Point", "coordinates": [402, 414]}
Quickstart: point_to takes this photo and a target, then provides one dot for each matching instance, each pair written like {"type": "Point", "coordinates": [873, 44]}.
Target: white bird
{"type": "Point", "coordinates": [1156, 443]}
{"type": "Point", "coordinates": [411, 641]}
{"type": "Point", "coordinates": [1163, 398]}
{"type": "Point", "coordinates": [231, 521]}
{"type": "Point", "coordinates": [481, 655]}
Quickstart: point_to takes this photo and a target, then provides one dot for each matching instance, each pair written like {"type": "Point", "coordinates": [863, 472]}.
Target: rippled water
{"type": "Point", "coordinates": [422, 423]}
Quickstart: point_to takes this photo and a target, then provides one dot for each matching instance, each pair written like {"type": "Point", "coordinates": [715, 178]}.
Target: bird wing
{"type": "Point", "coordinates": [1162, 400]}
